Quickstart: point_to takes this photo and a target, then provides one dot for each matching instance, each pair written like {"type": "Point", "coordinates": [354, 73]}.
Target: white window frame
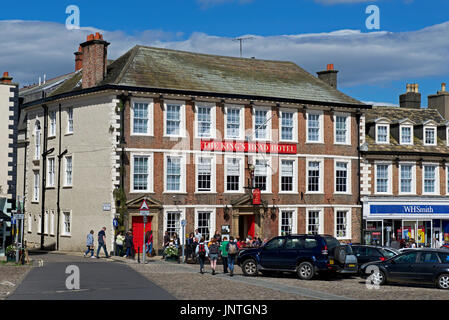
{"type": "Point", "coordinates": [150, 179]}
{"type": "Point", "coordinates": [213, 172]}
{"type": "Point", "coordinates": [52, 222]}
{"type": "Point", "coordinates": [348, 128]}
{"type": "Point", "coordinates": [390, 177]}
{"type": "Point", "coordinates": [37, 133]}
{"type": "Point", "coordinates": [213, 119]}
{"type": "Point", "coordinates": [30, 223]}
{"type": "Point", "coordinates": [241, 173]}
{"type": "Point", "coordinates": [437, 178]}
{"type": "Point", "coordinates": [50, 183]}
{"type": "Point", "coordinates": [181, 217]}
{"type": "Point", "coordinates": [320, 217]}
{"type": "Point", "coordinates": [36, 195]}
{"type": "Point", "coordinates": [434, 128]}
{"type": "Point", "coordinates": [182, 124]}
{"type": "Point", "coordinates": [46, 215]}
{"type": "Point", "coordinates": [377, 133]}
{"type": "Point", "coordinates": [150, 124]}
{"type": "Point", "coordinates": [348, 176]}
{"type": "Point", "coordinates": [411, 134]}
{"type": "Point", "coordinates": [295, 124]}
{"type": "Point", "coordinates": [63, 230]}
{"type": "Point", "coordinates": [268, 123]}
{"type": "Point", "coordinates": [39, 223]}
{"type": "Point", "coordinates": [348, 223]}
{"type": "Point", "coordinates": [182, 182]}
{"type": "Point", "coordinates": [413, 182]}
{"type": "Point", "coordinates": [295, 175]}
{"type": "Point", "coordinates": [241, 119]}
{"type": "Point", "coordinates": [212, 222]}
{"type": "Point", "coordinates": [52, 124]}
{"type": "Point", "coordinates": [321, 180]}
{"type": "Point", "coordinates": [65, 184]}
{"type": "Point", "coordinates": [70, 112]}
{"type": "Point", "coordinates": [269, 172]}
{"type": "Point", "coordinates": [294, 220]}
{"type": "Point", "coordinates": [321, 124]}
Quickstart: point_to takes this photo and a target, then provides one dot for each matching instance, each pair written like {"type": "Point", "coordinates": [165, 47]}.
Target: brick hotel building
{"type": "Point", "coordinates": [195, 135]}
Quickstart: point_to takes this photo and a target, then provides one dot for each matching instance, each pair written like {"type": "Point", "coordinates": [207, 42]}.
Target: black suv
{"type": "Point", "coordinates": [304, 254]}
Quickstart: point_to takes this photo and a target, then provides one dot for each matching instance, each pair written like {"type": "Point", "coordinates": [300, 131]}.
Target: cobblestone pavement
{"type": "Point", "coordinates": [10, 277]}
{"type": "Point", "coordinates": [185, 282]}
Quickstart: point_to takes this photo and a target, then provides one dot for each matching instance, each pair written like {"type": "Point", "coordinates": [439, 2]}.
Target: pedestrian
{"type": "Point", "coordinates": [148, 241]}
{"type": "Point", "coordinates": [202, 251]}
{"type": "Point", "coordinates": [224, 253]}
{"type": "Point", "coordinates": [214, 250]}
{"type": "Point", "coordinates": [198, 235]}
{"type": "Point", "coordinates": [190, 245]}
{"type": "Point", "coordinates": [129, 245]}
{"type": "Point", "coordinates": [90, 244]}
{"type": "Point", "coordinates": [166, 243]}
{"type": "Point", "coordinates": [232, 250]}
{"type": "Point", "coordinates": [102, 242]}
{"type": "Point", "coordinates": [119, 244]}
{"type": "Point", "coordinates": [217, 236]}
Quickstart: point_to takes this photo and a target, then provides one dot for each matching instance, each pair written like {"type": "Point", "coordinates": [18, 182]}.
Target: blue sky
{"type": "Point", "coordinates": [411, 45]}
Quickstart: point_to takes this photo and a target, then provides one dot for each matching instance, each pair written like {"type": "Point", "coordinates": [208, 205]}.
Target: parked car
{"type": "Point", "coordinates": [306, 255]}
{"type": "Point", "coordinates": [413, 266]}
{"type": "Point", "coordinates": [368, 253]}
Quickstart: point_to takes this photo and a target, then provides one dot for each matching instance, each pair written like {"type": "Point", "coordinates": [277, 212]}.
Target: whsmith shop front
{"type": "Point", "coordinates": [426, 221]}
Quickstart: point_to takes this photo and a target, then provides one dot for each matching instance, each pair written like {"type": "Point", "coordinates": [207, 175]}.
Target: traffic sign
{"type": "Point", "coordinates": [144, 208]}
{"type": "Point", "coordinates": [115, 223]}
{"type": "Point", "coordinates": [19, 216]}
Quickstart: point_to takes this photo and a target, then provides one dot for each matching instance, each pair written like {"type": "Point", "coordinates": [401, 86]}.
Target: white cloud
{"type": "Point", "coordinates": [32, 48]}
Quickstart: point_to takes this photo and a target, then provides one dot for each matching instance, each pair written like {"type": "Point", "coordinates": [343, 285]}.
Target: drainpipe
{"type": "Point", "coordinates": [60, 155]}
{"type": "Point", "coordinates": [44, 174]}
{"type": "Point", "coordinates": [359, 202]}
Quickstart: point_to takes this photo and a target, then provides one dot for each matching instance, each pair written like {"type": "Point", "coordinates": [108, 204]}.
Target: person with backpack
{"type": "Point", "coordinates": [224, 253]}
{"type": "Point", "coordinates": [232, 250]}
{"type": "Point", "coordinates": [202, 252]}
{"type": "Point", "coordinates": [214, 250]}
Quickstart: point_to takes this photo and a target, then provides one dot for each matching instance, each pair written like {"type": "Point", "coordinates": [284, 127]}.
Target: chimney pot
{"type": "Point", "coordinates": [90, 37]}
{"type": "Point", "coordinates": [329, 75]}
{"type": "Point", "coordinates": [93, 59]}
{"type": "Point", "coordinates": [330, 67]}
{"type": "Point", "coordinates": [443, 87]}
{"type": "Point", "coordinates": [6, 79]}
{"type": "Point", "coordinates": [412, 98]}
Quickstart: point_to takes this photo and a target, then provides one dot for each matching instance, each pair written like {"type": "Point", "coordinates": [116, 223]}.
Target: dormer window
{"type": "Point", "coordinates": [382, 133]}
{"type": "Point", "coordinates": [430, 136]}
{"type": "Point", "coordinates": [406, 134]}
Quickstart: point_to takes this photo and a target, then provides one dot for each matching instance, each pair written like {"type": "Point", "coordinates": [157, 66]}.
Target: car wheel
{"type": "Point", "coordinates": [443, 281]}
{"type": "Point", "coordinates": [378, 277]}
{"type": "Point", "coordinates": [305, 271]}
{"type": "Point", "coordinates": [249, 268]}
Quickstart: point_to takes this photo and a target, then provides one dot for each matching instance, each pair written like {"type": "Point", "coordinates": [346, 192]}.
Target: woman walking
{"type": "Point", "coordinates": [213, 254]}
{"type": "Point", "coordinates": [202, 252]}
{"type": "Point", "coordinates": [232, 250]}
{"type": "Point", "coordinates": [90, 244]}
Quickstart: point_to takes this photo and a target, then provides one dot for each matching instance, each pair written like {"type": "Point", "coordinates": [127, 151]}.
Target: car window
{"type": "Point", "coordinates": [387, 253]}
{"type": "Point", "coordinates": [361, 251]}
{"type": "Point", "coordinates": [444, 257]}
{"type": "Point", "coordinates": [331, 243]}
{"type": "Point", "coordinates": [355, 249]}
{"type": "Point", "coordinates": [274, 244]}
{"type": "Point", "coordinates": [310, 243]}
{"type": "Point", "coordinates": [409, 257]}
{"type": "Point", "coordinates": [294, 243]}
{"type": "Point", "coordinates": [348, 250]}
{"type": "Point", "coordinates": [372, 252]}
{"type": "Point", "coordinates": [428, 257]}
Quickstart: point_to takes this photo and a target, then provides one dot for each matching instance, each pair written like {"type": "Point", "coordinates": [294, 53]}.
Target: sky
{"type": "Point", "coordinates": [410, 46]}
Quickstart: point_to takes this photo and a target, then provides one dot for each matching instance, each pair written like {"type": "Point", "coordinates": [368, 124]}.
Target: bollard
{"type": "Point", "coordinates": [138, 254]}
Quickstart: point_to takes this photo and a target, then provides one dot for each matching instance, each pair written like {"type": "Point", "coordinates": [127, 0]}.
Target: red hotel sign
{"type": "Point", "coordinates": [256, 196]}
{"type": "Point", "coordinates": [233, 146]}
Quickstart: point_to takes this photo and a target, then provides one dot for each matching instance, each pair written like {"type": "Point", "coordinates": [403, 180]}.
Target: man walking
{"type": "Point", "coordinates": [102, 242]}
{"type": "Point", "coordinates": [224, 253]}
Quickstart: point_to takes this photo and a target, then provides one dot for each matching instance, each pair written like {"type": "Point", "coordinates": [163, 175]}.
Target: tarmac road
{"type": "Point", "coordinates": [100, 279]}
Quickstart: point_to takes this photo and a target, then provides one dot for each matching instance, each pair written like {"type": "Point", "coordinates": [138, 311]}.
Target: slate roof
{"type": "Point", "coordinates": [396, 115]}
{"type": "Point", "coordinates": [149, 67]}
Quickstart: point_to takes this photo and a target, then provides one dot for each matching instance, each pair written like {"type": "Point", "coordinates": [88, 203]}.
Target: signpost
{"type": "Point", "coordinates": [144, 211]}
{"type": "Point", "coordinates": [183, 224]}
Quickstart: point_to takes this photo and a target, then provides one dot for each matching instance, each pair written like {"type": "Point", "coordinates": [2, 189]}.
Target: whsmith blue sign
{"type": "Point", "coordinates": [408, 209]}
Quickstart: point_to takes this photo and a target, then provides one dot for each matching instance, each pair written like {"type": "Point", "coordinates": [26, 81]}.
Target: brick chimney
{"type": "Point", "coordinates": [440, 101]}
{"type": "Point", "coordinates": [79, 59]}
{"type": "Point", "coordinates": [412, 98]}
{"type": "Point", "coordinates": [329, 76]}
{"type": "Point", "coordinates": [94, 60]}
{"type": "Point", "coordinates": [6, 79]}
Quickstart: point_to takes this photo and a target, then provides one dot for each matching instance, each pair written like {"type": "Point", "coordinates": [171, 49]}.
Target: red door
{"type": "Point", "coordinates": [251, 225]}
{"type": "Point", "coordinates": [138, 233]}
